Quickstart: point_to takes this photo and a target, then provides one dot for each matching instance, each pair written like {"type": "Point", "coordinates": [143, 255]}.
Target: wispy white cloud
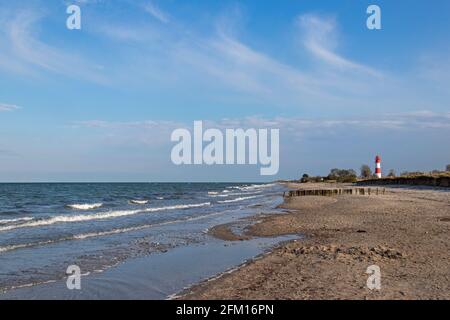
{"type": "Point", "coordinates": [266, 78]}
{"type": "Point", "coordinates": [28, 54]}
{"type": "Point", "coordinates": [241, 67]}
{"type": "Point", "coordinates": [156, 132]}
{"type": "Point", "coordinates": [8, 107]}
{"type": "Point", "coordinates": [156, 12]}
{"type": "Point", "coordinates": [177, 55]}
{"type": "Point", "coordinates": [320, 37]}
{"type": "Point", "coordinates": [417, 120]}
{"type": "Point", "coordinates": [221, 61]}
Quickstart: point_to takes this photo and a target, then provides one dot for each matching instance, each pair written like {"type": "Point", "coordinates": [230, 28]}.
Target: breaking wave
{"type": "Point", "coordinates": [85, 206]}
{"type": "Point", "coordinates": [7, 221]}
{"type": "Point", "coordinates": [138, 202]}
{"type": "Point", "coordinates": [97, 216]}
{"type": "Point", "coordinates": [252, 186]}
{"type": "Point", "coordinates": [84, 236]}
{"type": "Point", "coordinates": [238, 199]}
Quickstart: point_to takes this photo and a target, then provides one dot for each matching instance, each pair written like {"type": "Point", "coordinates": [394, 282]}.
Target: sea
{"type": "Point", "coordinates": [129, 240]}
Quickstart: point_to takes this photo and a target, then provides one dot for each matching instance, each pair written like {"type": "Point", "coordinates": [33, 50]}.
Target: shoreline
{"type": "Point", "coordinates": [405, 232]}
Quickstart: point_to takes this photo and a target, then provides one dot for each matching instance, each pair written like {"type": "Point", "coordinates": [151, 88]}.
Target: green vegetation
{"type": "Point", "coordinates": [306, 178]}
{"type": "Point", "coordinates": [366, 172]}
{"type": "Point", "coordinates": [342, 175]}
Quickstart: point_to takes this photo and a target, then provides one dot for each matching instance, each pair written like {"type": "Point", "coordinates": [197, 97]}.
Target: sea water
{"type": "Point", "coordinates": [44, 228]}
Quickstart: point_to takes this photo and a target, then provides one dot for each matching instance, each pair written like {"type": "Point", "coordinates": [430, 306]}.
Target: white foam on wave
{"type": "Point", "coordinates": [7, 221]}
{"type": "Point", "coordinates": [252, 186]}
{"type": "Point", "coordinates": [238, 199]}
{"type": "Point", "coordinates": [232, 194]}
{"type": "Point", "coordinates": [212, 193]}
{"type": "Point", "coordinates": [85, 206]}
{"type": "Point", "coordinates": [247, 193]}
{"type": "Point", "coordinates": [220, 195]}
{"type": "Point", "coordinates": [257, 186]}
{"type": "Point", "coordinates": [138, 201]}
{"type": "Point", "coordinates": [97, 216]}
{"type": "Point", "coordinates": [25, 245]}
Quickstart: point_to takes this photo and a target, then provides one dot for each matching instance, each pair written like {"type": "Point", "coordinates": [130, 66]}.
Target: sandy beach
{"type": "Point", "coordinates": [405, 232]}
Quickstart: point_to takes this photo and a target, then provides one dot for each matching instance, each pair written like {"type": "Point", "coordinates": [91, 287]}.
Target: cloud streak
{"type": "Point", "coordinates": [320, 38]}
{"type": "Point", "coordinates": [8, 107]}
{"type": "Point", "coordinates": [175, 53]}
{"type": "Point", "coordinates": [28, 54]}
{"type": "Point", "coordinates": [144, 132]}
{"type": "Point", "coordinates": [156, 13]}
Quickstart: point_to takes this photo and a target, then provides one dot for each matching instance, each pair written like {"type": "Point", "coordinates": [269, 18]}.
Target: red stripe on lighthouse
{"type": "Point", "coordinates": [378, 166]}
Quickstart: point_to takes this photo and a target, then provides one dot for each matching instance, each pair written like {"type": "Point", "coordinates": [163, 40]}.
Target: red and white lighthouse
{"type": "Point", "coordinates": [378, 167]}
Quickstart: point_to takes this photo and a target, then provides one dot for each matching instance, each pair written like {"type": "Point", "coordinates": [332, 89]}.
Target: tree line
{"type": "Point", "coordinates": [350, 175]}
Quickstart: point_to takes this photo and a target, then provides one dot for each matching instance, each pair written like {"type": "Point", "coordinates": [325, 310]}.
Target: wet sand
{"type": "Point", "coordinates": [405, 232]}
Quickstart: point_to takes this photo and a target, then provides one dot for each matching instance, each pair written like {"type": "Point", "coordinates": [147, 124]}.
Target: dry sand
{"type": "Point", "coordinates": [405, 232]}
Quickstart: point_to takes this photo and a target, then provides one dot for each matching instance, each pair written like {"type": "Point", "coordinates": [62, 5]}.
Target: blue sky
{"type": "Point", "coordinates": [99, 104]}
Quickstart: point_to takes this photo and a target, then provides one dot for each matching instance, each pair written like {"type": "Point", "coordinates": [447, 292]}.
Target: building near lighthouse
{"type": "Point", "coordinates": [378, 167]}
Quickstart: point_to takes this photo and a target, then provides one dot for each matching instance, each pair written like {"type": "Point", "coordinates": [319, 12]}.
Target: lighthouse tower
{"type": "Point", "coordinates": [378, 167]}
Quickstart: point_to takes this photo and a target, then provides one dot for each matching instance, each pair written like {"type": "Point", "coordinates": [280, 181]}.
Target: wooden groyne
{"type": "Point", "coordinates": [334, 192]}
{"type": "Point", "coordinates": [411, 181]}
